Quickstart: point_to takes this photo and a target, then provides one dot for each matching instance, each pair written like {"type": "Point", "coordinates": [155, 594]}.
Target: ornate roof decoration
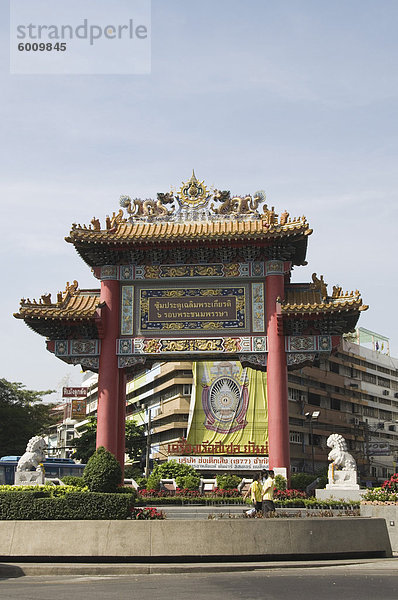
{"type": "Point", "coordinates": [196, 214]}
{"type": "Point", "coordinates": [72, 304]}
{"type": "Point", "coordinates": [148, 232]}
{"type": "Point", "coordinates": [313, 298]}
{"type": "Point", "coordinates": [193, 193]}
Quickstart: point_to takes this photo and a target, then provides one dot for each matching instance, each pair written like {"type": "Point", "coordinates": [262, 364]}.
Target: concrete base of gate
{"type": "Point", "coordinates": [194, 540]}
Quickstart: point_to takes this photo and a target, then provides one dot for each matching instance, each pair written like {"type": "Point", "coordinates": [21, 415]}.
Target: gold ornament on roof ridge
{"type": "Point", "coordinates": [193, 193]}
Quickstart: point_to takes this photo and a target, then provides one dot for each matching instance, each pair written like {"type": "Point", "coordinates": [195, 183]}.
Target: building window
{"type": "Point", "coordinates": [315, 440]}
{"type": "Point", "coordinates": [314, 399]}
{"type": "Point", "coordinates": [295, 394]}
{"type": "Point", "coordinates": [335, 403]}
{"type": "Point", "coordinates": [383, 382]}
{"type": "Point", "coordinates": [334, 367]}
{"type": "Point", "coordinates": [296, 437]}
{"type": "Point", "coordinates": [369, 377]}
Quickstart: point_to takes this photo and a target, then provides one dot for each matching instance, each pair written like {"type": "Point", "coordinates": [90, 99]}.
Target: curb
{"type": "Point", "coordinates": [14, 570]}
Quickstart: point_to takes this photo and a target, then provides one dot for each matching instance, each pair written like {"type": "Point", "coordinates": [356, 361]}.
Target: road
{"type": "Point", "coordinates": [374, 580]}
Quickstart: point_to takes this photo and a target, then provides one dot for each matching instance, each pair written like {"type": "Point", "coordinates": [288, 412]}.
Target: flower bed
{"type": "Point", "coordinates": [386, 494]}
{"type": "Point", "coordinates": [289, 494]}
{"type": "Point", "coordinates": [147, 514]}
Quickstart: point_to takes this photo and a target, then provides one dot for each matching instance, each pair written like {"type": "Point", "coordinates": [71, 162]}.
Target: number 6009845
{"type": "Point", "coordinates": [42, 47]}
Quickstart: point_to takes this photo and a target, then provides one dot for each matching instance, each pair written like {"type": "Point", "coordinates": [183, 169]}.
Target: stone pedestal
{"type": "Point", "coordinates": [342, 486]}
{"type": "Point", "coordinates": [339, 493]}
{"type": "Point", "coordinates": [29, 478]}
{"type": "Point", "coordinates": [343, 479]}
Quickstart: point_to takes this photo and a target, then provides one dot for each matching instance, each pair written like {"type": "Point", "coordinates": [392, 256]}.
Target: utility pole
{"type": "Point", "coordinates": [310, 417]}
{"type": "Point", "coordinates": [148, 443]}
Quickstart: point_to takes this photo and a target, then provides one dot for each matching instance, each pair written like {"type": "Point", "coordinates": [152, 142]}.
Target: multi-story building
{"type": "Point", "coordinates": [354, 392]}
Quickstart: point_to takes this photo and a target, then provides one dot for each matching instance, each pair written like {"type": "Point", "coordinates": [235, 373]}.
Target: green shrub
{"type": "Point", "coordinates": [299, 481]}
{"type": "Point", "coordinates": [141, 482]}
{"type": "Point", "coordinates": [227, 481]}
{"type": "Point", "coordinates": [102, 472]}
{"type": "Point", "coordinates": [73, 480]}
{"type": "Point", "coordinates": [188, 482]}
{"type": "Point", "coordinates": [132, 472]}
{"type": "Point", "coordinates": [169, 470]}
{"type": "Point", "coordinates": [40, 505]}
{"type": "Point", "coordinates": [153, 481]}
{"type": "Point", "coordinates": [47, 490]}
{"type": "Point", "coordinates": [280, 482]}
{"type": "Point", "coordinates": [127, 489]}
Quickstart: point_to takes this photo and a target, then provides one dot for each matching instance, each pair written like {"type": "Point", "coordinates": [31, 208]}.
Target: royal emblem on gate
{"type": "Point", "coordinates": [225, 404]}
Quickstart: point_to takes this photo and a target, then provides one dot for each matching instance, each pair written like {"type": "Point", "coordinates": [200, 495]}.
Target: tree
{"type": "Point", "coordinates": [135, 440]}
{"type": "Point", "coordinates": [85, 444]}
{"type": "Point", "coordinates": [22, 415]}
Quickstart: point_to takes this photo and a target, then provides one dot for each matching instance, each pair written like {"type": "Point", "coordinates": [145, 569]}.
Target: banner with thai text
{"type": "Point", "coordinates": [228, 412]}
{"type": "Point", "coordinates": [223, 463]}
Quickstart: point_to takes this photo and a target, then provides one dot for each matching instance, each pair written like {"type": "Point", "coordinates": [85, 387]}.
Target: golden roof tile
{"type": "Point", "coordinates": [145, 232]}
{"type": "Point", "coordinates": [313, 298]}
{"type": "Point", "coordinates": [72, 304]}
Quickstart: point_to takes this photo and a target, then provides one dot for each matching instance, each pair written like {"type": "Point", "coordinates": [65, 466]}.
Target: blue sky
{"type": "Point", "coordinates": [298, 98]}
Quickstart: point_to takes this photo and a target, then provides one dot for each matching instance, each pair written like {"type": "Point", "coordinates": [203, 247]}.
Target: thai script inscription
{"type": "Point", "coordinates": [183, 448]}
{"type": "Point", "coordinates": [179, 309]}
{"type": "Point", "coordinates": [205, 308]}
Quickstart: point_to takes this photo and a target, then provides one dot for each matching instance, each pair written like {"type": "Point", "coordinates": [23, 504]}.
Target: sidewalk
{"type": "Point", "coordinates": [20, 569]}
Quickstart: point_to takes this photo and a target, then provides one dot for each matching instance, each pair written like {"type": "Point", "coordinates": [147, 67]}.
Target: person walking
{"type": "Point", "coordinates": [268, 505]}
{"type": "Point", "coordinates": [256, 494]}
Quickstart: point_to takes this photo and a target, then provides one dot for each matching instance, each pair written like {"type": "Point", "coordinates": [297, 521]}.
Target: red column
{"type": "Point", "coordinates": [108, 378]}
{"type": "Point", "coordinates": [121, 421]}
{"type": "Point", "coordinates": [278, 409]}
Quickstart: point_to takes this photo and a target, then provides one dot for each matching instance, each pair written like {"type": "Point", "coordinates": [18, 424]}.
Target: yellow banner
{"type": "Point", "coordinates": [228, 413]}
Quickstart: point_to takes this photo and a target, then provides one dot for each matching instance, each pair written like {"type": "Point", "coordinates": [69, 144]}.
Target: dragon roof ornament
{"type": "Point", "coordinates": [196, 202]}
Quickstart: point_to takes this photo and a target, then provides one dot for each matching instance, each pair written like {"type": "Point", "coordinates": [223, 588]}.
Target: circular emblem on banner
{"type": "Point", "coordinates": [224, 397]}
{"type": "Point", "coordinates": [225, 404]}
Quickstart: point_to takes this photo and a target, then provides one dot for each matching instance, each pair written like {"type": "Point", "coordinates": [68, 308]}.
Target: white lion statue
{"type": "Point", "coordinates": [34, 455]}
{"type": "Point", "coordinates": [339, 454]}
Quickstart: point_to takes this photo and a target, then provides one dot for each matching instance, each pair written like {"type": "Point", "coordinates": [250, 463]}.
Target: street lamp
{"type": "Point", "coordinates": [148, 439]}
{"type": "Point", "coordinates": [311, 417]}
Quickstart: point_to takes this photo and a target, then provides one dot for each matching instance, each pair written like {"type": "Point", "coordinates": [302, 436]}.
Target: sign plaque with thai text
{"type": "Point", "coordinates": [201, 308]}
{"type": "Point", "coordinates": [74, 392]}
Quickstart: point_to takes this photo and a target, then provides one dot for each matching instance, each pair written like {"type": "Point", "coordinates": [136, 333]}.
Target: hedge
{"type": "Point", "coordinates": [40, 505]}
